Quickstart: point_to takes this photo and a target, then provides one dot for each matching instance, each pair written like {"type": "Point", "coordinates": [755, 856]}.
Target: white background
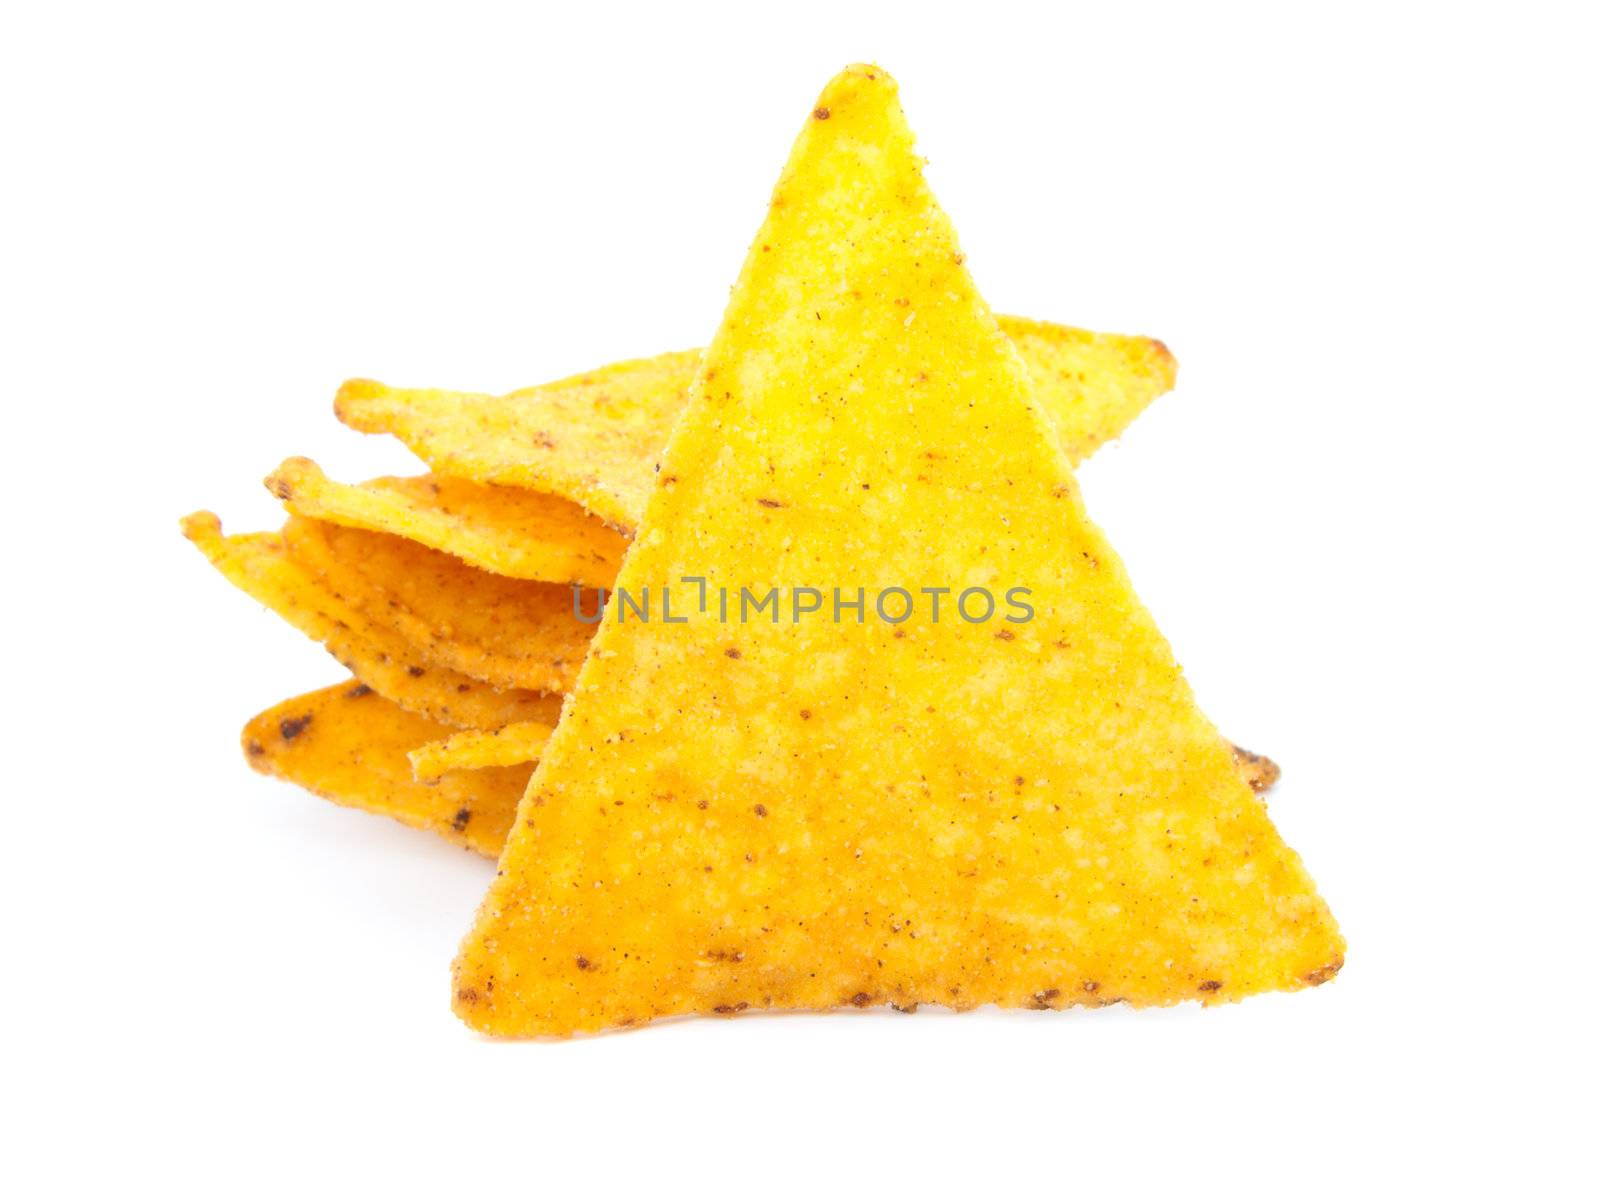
{"type": "Point", "coordinates": [1365, 520]}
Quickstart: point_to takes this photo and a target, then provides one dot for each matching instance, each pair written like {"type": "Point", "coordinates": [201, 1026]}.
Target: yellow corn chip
{"type": "Point", "coordinates": [472, 749]}
{"type": "Point", "coordinates": [512, 633]}
{"type": "Point", "coordinates": [509, 531]}
{"type": "Point", "coordinates": [348, 744]}
{"type": "Point", "coordinates": [805, 812]}
{"type": "Point", "coordinates": [259, 565]}
{"type": "Point", "coordinates": [595, 438]}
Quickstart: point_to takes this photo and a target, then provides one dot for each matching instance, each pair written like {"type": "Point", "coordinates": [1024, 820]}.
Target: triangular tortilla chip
{"type": "Point", "coordinates": [595, 438]}
{"type": "Point", "coordinates": [812, 813]}
{"type": "Point", "coordinates": [512, 633]}
{"type": "Point", "coordinates": [348, 744]}
{"type": "Point", "coordinates": [259, 565]}
{"type": "Point", "coordinates": [509, 531]}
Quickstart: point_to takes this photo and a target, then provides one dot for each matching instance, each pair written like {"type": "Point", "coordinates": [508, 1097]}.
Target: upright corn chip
{"type": "Point", "coordinates": [259, 565]}
{"type": "Point", "coordinates": [509, 531]}
{"type": "Point", "coordinates": [511, 633]}
{"type": "Point", "coordinates": [348, 744]}
{"type": "Point", "coordinates": [595, 438]}
{"type": "Point", "coordinates": [884, 807]}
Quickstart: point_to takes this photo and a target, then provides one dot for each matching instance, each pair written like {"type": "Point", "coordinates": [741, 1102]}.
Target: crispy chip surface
{"type": "Point", "coordinates": [512, 633]}
{"type": "Point", "coordinates": [471, 749]}
{"type": "Point", "coordinates": [259, 565]}
{"type": "Point", "coordinates": [348, 744]}
{"type": "Point", "coordinates": [805, 814]}
{"type": "Point", "coordinates": [508, 531]}
{"type": "Point", "coordinates": [595, 438]}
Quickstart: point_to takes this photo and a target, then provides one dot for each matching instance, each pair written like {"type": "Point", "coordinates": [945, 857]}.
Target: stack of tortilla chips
{"type": "Point", "coordinates": [820, 806]}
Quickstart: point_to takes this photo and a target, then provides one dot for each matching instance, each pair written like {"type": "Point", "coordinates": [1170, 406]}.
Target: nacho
{"type": "Point", "coordinates": [259, 565]}
{"type": "Point", "coordinates": [507, 531]}
{"type": "Point", "coordinates": [595, 438]}
{"type": "Point", "coordinates": [511, 633]}
{"type": "Point", "coordinates": [473, 749]}
{"type": "Point", "coordinates": [348, 744]}
{"type": "Point", "coordinates": [804, 814]}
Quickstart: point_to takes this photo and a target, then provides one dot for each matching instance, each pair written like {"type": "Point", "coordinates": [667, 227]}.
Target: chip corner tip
{"type": "Point", "coordinates": [867, 72]}
{"type": "Point", "coordinates": [201, 525]}
{"type": "Point", "coordinates": [855, 78]}
{"type": "Point", "coordinates": [1166, 360]}
{"type": "Point", "coordinates": [468, 999]}
{"type": "Point", "coordinates": [288, 475]}
{"type": "Point", "coordinates": [251, 745]}
{"type": "Point", "coordinates": [1329, 970]}
{"type": "Point", "coordinates": [354, 392]}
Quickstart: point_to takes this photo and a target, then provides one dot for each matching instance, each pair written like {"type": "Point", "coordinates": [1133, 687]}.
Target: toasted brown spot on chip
{"type": "Point", "coordinates": [293, 727]}
{"type": "Point", "coordinates": [1259, 771]}
{"type": "Point", "coordinates": [1322, 974]}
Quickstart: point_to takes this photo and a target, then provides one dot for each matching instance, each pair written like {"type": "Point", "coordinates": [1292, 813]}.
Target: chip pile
{"type": "Point", "coordinates": [713, 815]}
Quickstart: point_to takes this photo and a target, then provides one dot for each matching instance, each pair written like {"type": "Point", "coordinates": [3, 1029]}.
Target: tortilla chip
{"type": "Point", "coordinates": [595, 438]}
{"type": "Point", "coordinates": [511, 633]}
{"type": "Point", "coordinates": [259, 565]}
{"type": "Point", "coordinates": [348, 744]}
{"type": "Point", "coordinates": [508, 531]}
{"type": "Point", "coordinates": [473, 749]}
{"type": "Point", "coordinates": [809, 813]}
